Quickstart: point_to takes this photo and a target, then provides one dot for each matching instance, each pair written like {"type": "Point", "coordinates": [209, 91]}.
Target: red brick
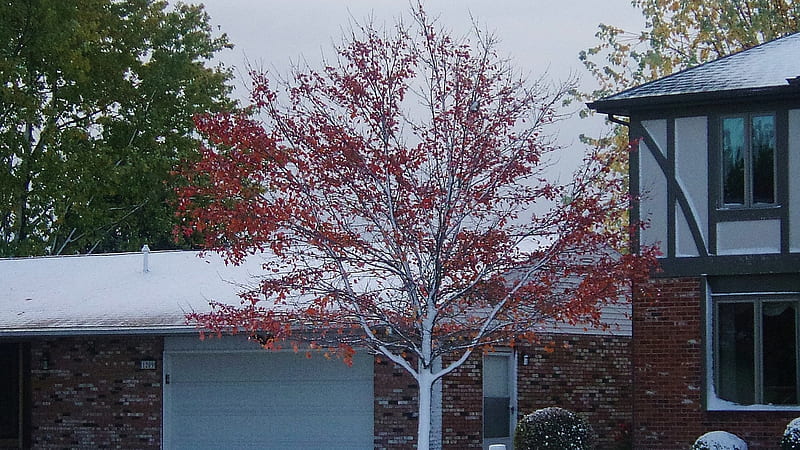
{"type": "Point", "coordinates": [93, 395]}
{"type": "Point", "coordinates": [669, 385]}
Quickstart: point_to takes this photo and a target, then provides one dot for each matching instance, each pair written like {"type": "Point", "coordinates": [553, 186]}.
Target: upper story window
{"type": "Point", "coordinates": [748, 160]}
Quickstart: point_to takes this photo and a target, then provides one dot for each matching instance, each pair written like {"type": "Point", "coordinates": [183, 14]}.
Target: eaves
{"type": "Point", "coordinates": [94, 331]}
{"type": "Point", "coordinates": [627, 106]}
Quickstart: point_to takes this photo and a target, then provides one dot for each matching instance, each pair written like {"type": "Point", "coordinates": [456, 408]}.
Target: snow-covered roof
{"type": "Point", "coordinates": [617, 317]}
{"type": "Point", "coordinates": [112, 293]}
{"type": "Point", "coordinates": [768, 67]}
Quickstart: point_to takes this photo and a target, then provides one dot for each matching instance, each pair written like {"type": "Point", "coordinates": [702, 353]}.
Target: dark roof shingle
{"type": "Point", "coordinates": [766, 66]}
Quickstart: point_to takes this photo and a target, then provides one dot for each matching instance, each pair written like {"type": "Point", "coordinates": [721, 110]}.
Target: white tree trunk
{"type": "Point", "coordinates": [424, 412]}
{"type": "Point", "coordinates": [436, 411]}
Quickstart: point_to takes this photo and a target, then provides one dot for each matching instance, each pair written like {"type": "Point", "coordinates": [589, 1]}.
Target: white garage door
{"type": "Point", "coordinates": [221, 394]}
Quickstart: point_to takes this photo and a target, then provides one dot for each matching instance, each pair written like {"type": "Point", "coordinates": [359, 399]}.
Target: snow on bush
{"type": "Point", "coordinates": [719, 440]}
{"type": "Point", "coordinates": [791, 437]}
{"type": "Point", "coordinates": [554, 428]}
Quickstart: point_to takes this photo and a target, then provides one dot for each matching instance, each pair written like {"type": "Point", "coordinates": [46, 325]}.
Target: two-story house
{"type": "Point", "coordinates": [716, 164]}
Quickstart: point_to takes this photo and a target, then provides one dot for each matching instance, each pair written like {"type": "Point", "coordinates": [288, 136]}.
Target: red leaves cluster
{"type": "Point", "coordinates": [402, 193]}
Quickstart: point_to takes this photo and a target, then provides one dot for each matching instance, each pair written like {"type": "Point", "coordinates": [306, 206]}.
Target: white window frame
{"type": "Point", "coordinates": [713, 401]}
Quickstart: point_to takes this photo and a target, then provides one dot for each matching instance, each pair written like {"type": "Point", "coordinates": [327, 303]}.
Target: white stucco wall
{"type": "Point", "coordinates": [653, 206]}
{"type": "Point", "coordinates": [794, 180]}
{"type": "Point", "coordinates": [691, 172]}
{"type": "Point", "coordinates": [749, 237]}
{"type": "Point", "coordinates": [658, 131]}
{"type": "Point", "coordinates": [684, 241]}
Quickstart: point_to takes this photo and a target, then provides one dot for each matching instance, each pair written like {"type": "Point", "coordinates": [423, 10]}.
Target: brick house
{"type": "Point", "coordinates": [95, 353]}
{"type": "Point", "coordinates": [715, 339]}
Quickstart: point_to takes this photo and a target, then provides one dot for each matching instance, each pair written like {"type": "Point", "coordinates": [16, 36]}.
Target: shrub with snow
{"type": "Point", "coordinates": [719, 440]}
{"type": "Point", "coordinates": [791, 437]}
{"type": "Point", "coordinates": [554, 428]}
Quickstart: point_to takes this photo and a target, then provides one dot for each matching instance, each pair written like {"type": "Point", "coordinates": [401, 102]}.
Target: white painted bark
{"type": "Point", "coordinates": [425, 381]}
{"type": "Point", "coordinates": [436, 408]}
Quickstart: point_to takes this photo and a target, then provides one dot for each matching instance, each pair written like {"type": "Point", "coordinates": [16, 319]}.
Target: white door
{"type": "Point", "coordinates": [239, 398]}
{"type": "Point", "coordinates": [499, 399]}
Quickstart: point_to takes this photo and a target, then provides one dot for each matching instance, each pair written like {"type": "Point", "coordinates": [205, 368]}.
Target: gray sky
{"type": "Point", "coordinates": [539, 36]}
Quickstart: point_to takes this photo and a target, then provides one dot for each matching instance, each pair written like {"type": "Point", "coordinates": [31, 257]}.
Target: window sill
{"type": "Point", "coordinates": [726, 214]}
{"type": "Point", "coordinates": [717, 404]}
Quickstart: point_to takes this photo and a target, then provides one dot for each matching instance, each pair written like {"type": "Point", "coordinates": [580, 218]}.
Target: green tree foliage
{"type": "Point", "coordinates": [682, 33]}
{"type": "Point", "coordinates": [678, 34]}
{"type": "Point", "coordinates": [96, 105]}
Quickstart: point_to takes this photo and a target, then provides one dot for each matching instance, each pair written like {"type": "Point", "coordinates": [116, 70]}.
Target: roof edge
{"type": "Point", "coordinates": [96, 331]}
{"type": "Point", "coordinates": [610, 98]}
{"type": "Point", "coordinates": [624, 106]}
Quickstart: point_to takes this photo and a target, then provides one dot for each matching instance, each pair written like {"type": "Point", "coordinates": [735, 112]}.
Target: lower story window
{"type": "Point", "coordinates": [756, 349]}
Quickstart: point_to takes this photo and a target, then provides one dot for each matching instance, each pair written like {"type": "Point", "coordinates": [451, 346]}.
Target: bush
{"type": "Point", "coordinates": [554, 428]}
{"type": "Point", "coordinates": [719, 440]}
{"type": "Point", "coordinates": [791, 437]}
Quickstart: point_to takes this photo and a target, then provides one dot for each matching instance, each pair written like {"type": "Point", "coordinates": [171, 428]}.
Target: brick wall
{"type": "Point", "coordinates": [668, 356]}
{"type": "Point", "coordinates": [590, 375]}
{"type": "Point", "coordinates": [91, 394]}
{"type": "Point", "coordinates": [395, 406]}
{"type": "Point", "coordinates": [586, 374]}
{"type": "Point", "coordinates": [462, 406]}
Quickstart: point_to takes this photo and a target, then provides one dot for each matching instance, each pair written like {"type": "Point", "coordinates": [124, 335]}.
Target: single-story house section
{"type": "Point", "coordinates": [95, 352]}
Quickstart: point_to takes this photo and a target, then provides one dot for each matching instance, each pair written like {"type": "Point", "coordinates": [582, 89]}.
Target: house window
{"type": "Point", "coordinates": [748, 160]}
{"type": "Point", "coordinates": [756, 350]}
{"type": "Point", "coordinates": [10, 396]}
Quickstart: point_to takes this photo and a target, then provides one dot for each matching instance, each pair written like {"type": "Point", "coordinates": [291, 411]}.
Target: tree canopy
{"type": "Point", "coordinates": [679, 34]}
{"type": "Point", "coordinates": [96, 105]}
{"type": "Point", "coordinates": [398, 197]}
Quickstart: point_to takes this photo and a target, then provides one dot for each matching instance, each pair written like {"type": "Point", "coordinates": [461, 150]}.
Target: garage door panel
{"type": "Point", "coordinates": [276, 392]}
{"type": "Point", "coordinates": [279, 365]}
{"type": "Point", "coordinates": [276, 444]}
{"type": "Point", "coordinates": [256, 396]}
{"type": "Point", "coordinates": [268, 431]}
{"type": "Point", "coordinates": [267, 400]}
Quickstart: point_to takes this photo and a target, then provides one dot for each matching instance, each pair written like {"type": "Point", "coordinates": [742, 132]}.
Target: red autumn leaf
{"type": "Point", "coordinates": [401, 198]}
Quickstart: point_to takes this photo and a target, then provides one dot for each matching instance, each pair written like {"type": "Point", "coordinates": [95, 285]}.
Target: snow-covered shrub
{"type": "Point", "coordinates": [719, 440]}
{"type": "Point", "coordinates": [554, 428]}
{"type": "Point", "coordinates": [791, 437]}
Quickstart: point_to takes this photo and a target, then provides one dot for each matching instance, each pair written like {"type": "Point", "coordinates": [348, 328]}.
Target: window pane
{"type": "Point", "coordinates": [496, 417]}
{"type": "Point", "coordinates": [733, 141]}
{"type": "Point", "coordinates": [763, 154]}
{"type": "Point", "coordinates": [736, 364]}
{"type": "Point", "coordinates": [780, 353]}
{"type": "Point", "coordinates": [495, 376]}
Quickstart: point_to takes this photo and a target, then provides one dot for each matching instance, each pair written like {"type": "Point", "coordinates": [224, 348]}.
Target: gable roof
{"type": "Point", "coordinates": [764, 70]}
{"type": "Point", "coordinates": [111, 293]}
